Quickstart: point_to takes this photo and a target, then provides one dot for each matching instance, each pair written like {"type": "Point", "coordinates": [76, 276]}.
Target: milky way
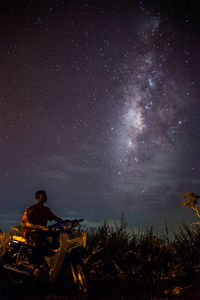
{"type": "Point", "coordinates": [153, 95]}
{"type": "Point", "coordinates": [99, 107]}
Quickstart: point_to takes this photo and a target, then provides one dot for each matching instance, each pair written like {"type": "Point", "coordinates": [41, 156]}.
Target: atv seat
{"type": "Point", "coordinates": [19, 239]}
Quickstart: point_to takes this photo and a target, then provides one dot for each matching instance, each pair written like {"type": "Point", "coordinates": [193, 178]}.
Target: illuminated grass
{"type": "Point", "coordinates": [119, 252]}
{"type": "Point", "coordinates": [143, 258]}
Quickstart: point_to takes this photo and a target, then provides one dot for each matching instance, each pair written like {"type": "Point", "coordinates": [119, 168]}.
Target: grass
{"type": "Point", "coordinates": [145, 258]}
{"type": "Point", "coordinates": [4, 239]}
{"type": "Point", "coordinates": [118, 253]}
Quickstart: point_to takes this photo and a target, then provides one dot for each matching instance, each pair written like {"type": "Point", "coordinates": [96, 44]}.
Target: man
{"type": "Point", "coordinates": [35, 218]}
{"type": "Point", "coordinates": [37, 215]}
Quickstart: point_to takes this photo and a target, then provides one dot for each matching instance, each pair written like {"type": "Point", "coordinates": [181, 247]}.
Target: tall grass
{"type": "Point", "coordinates": [4, 240]}
{"type": "Point", "coordinates": [120, 252]}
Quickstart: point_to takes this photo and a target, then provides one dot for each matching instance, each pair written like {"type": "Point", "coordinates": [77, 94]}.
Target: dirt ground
{"type": "Point", "coordinates": [184, 288]}
{"type": "Point", "coordinates": [99, 290]}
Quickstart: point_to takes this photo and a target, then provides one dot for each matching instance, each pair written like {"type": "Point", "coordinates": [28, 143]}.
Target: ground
{"type": "Point", "coordinates": [101, 290]}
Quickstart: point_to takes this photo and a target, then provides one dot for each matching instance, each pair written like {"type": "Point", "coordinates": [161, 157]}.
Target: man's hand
{"type": "Point", "coordinates": [33, 226]}
{"type": "Point", "coordinates": [45, 228]}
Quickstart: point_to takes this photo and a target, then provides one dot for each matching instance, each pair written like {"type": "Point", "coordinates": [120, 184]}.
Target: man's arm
{"type": "Point", "coordinates": [57, 219]}
{"type": "Point", "coordinates": [28, 224]}
{"type": "Point", "coordinates": [51, 215]}
{"type": "Point", "coordinates": [33, 226]}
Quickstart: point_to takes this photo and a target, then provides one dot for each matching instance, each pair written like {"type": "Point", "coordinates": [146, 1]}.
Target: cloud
{"type": "Point", "coordinates": [65, 169]}
{"type": "Point", "coordinates": [76, 166]}
{"type": "Point", "coordinates": [156, 183]}
{"type": "Point", "coordinates": [9, 219]}
{"type": "Point", "coordinates": [55, 174]}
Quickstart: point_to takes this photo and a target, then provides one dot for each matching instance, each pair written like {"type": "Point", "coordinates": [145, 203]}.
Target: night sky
{"type": "Point", "coordinates": [99, 106]}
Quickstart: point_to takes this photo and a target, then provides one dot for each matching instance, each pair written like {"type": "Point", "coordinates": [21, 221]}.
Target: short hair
{"type": "Point", "coordinates": [38, 193]}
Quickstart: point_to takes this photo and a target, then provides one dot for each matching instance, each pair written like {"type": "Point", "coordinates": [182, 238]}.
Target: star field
{"type": "Point", "coordinates": [100, 107]}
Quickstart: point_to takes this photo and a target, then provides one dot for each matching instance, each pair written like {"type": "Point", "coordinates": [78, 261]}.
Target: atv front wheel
{"type": "Point", "coordinates": [78, 277]}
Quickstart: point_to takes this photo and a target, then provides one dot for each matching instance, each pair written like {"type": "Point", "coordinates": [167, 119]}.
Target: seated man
{"type": "Point", "coordinates": [37, 215]}
{"type": "Point", "coordinates": [35, 218]}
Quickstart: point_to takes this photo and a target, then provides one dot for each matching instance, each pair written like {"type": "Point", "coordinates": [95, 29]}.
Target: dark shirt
{"type": "Point", "coordinates": [37, 215]}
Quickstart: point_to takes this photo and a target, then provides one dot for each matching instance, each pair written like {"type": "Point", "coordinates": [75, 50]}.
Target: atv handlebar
{"type": "Point", "coordinates": [70, 223]}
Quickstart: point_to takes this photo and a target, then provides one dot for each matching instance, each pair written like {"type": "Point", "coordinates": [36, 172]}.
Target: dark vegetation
{"type": "Point", "coordinates": [130, 265]}
{"type": "Point", "coordinates": [158, 264]}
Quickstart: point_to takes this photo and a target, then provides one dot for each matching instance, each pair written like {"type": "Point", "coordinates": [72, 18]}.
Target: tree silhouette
{"type": "Point", "coordinates": [190, 200]}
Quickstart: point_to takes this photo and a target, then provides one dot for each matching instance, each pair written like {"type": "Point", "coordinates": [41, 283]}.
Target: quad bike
{"type": "Point", "coordinates": [61, 262]}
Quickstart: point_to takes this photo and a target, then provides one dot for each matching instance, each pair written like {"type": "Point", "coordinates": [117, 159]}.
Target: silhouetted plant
{"type": "Point", "coordinates": [4, 240]}
{"type": "Point", "coordinates": [190, 200]}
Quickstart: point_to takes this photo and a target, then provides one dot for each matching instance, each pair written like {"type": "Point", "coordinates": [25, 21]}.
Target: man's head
{"type": "Point", "coordinates": [41, 197]}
